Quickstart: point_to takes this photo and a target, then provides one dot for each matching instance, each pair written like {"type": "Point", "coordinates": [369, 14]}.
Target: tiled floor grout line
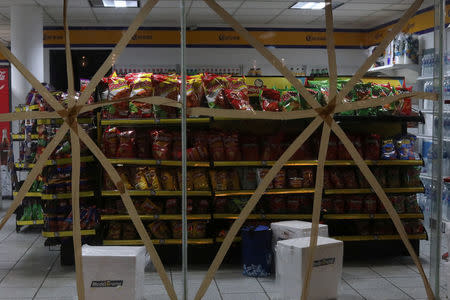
{"type": "Point", "coordinates": [9, 271]}
{"type": "Point", "coordinates": [46, 276]}
{"type": "Point", "coordinates": [265, 292]}
{"type": "Point", "coordinates": [217, 287]}
{"type": "Point", "coordinates": [353, 288]}
{"type": "Point", "coordinates": [401, 289]}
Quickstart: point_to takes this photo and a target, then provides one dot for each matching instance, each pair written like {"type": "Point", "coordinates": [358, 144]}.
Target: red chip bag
{"type": "Point", "coordinates": [308, 177]}
{"type": "Point", "coordinates": [237, 94]}
{"type": "Point", "coordinates": [111, 141]}
{"type": "Point", "coordinates": [202, 206]}
{"type": "Point", "coordinates": [333, 148]}
{"type": "Point", "coordinates": [269, 99]}
{"type": "Point", "coordinates": [277, 204]}
{"type": "Point", "coordinates": [221, 205]}
{"type": "Point", "coordinates": [215, 86]}
{"type": "Point", "coordinates": [126, 144]}
{"type": "Point", "coordinates": [231, 144]}
{"type": "Point", "coordinates": [172, 206]}
{"type": "Point", "coordinates": [194, 90]}
{"type": "Point", "coordinates": [142, 144]}
{"type": "Point", "coordinates": [250, 148]}
{"type": "Point", "coordinates": [216, 147]}
{"type": "Point", "coordinates": [162, 141]}
{"type": "Point", "coordinates": [339, 205]}
{"type": "Point", "coordinates": [140, 84]}
{"type": "Point", "coordinates": [306, 204]}
{"type": "Point", "coordinates": [372, 147]}
{"type": "Point", "coordinates": [370, 204]}
{"type": "Point", "coordinates": [118, 87]}
{"type": "Point", "coordinates": [272, 147]}
{"type": "Point", "coordinates": [354, 204]}
{"type": "Point", "coordinates": [327, 183]}
{"type": "Point", "coordinates": [349, 177]}
{"type": "Point", "coordinates": [279, 182]}
{"type": "Point", "coordinates": [293, 204]}
{"type": "Point", "coordinates": [336, 179]}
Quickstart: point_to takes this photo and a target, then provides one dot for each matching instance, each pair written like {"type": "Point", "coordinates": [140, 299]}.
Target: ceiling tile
{"type": "Point", "coordinates": [305, 12]}
{"type": "Point", "coordinates": [362, 6]}
{"type": "Point", "coordinates": [268, 4]}
{"type": "Point", "coordinates": [355, 13]}
{"type": "Point", "coordinates": [224, 4]}
{"type": "Point", "coordinates": [258, 11]}
{"type": "Point", "coordinates": [298, 21]}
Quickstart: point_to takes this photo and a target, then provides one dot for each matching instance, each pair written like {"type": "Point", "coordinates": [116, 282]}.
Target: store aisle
{"type": "Point", "coordinates": [28, 270]}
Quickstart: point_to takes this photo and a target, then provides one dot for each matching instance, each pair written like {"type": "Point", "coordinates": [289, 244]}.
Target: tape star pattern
{"type": "Point", "coordinates": [321, 115]}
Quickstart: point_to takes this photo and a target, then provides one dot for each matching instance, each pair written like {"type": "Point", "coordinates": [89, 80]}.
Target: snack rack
{"type": "Point", "coordinates": [219, 221]}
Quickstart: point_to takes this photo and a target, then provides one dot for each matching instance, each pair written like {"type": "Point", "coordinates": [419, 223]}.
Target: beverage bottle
{"type": "Point", "coordinates": [4, 147]}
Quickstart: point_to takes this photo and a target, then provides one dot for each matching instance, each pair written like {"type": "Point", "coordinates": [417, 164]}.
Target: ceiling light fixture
{"type": "Point", "coordinates": [120, 3]}
{"type": "Point", "coordinates": [312, 5]}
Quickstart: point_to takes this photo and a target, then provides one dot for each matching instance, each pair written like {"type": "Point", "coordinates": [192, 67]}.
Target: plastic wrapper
{"type": "Point", "coordinates": [333, 148]}
{"type": "Point", "coordinates": [279, 182]}
{"type": "Point", "coordinates": [380, 175]}
{"type": "Point", "coordinates": [159, 230]}
{"type": "Point", "coordinates": [234, 180]}
{"type": "Point", "coordinates": [114, 231]}
{"type": "Point", "coordinates": [398, 202]}
{"type": "Point", "coordinates": [372, 147]}
{"type": "Point", "coordinates": [196, 230]}
{"type": "Point", "coordinates": [354, 204]}
{"type": "Point", "coordinates": [171, 206]}
{"type": "Point", "coordinates": [142, 145]}
{"type": "Point", "coordinates": [140, 183]}
{"type": "Point", "coordinates": [306, 204]}
{"type": "Point", "coordinates": [411, 205]}
{"type": "Point", "coordinates": [162, 142]}
{"type": "Point", "coordinates": [140, 84]}
{"type": "Point", "coordinates": [167, 86]}
{"type": "Point", "coordinates": [237, 94]}
{"type": "Point", "coordinates": [194, 91]}
{"type": "Point", "coordinates": [215, 86]}
{"type": "Point", "coordinates": [151, 176]}
{"type": "Point", "coordinates": [126, 144]}
{"type": "Point", "coordinates": [308, 177]}
{"type": "Point", "coordinates": [199, 180]}
{"type": "Point", "coordinates": [380, 206]}
{"type": "Point", "coordinates": [327, 205]}
{"type": "Point", "coordinates": [339, 205]}
{"type": "Point", "coordinates": [129, 232]}
{"type": "Point", "coordinates": [349, 177]}
{"type": "Point", "coordinates": [216, 146]}
{"type": "Point", "coordinates": [411, 177]}
{"type": "Point", "coordinates": [177, 229]}
{"type": "Point", "coordinates": [168, 180]}
{"type": "Point", "coordinates": [202, 206]}
{"type": "Point", "coordinates": [148, 207]}
{"type": "Point", "coordinates": [221, 205]}
{"type": "Point", "coordinates": [327, 183]}
{"type": "Point", "coordinates": [271, 149]}
{"type": "Point", "coordinates": [362, 181]}
{"type": "Point", "coordinates": [277, 204]}
{"type": "Point", "coordinates": [176, 146]}
{"type": "Point", "coordinates": [118, 87]}
{"type": "Point", "coordinates": [370, 204]}
{"type": "Point", "coordinates": [247, 178]}
{"type": "Point", "coordinates": [336, 178]}
{"type": "Point", "coordinates": [260, 173]}
{"type": "Point", "coordinates": [388, 150]}
{"type": "Point", "coordinates": [289, 100]}
{"type": "Point", "coordinates": [269, 99]}
{"type": "Point", "coordinates": [219, 179]}
{"type": "Point", "coordinates": [189, 182]}
{"type": "Point", "coordinates": [405, 147]}
{"type": "Point", "coordinates": [393, 177]}
{"type": "Point", "coordinates": [295, 181]}
{"type": "Point", "coordinates": [232, 147]}
{"type": "Point", "coordinates": [293, 204]}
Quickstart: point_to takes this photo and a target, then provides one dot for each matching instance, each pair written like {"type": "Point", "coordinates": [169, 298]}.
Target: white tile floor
{"type": "Point", "coordinates": [28, 270]}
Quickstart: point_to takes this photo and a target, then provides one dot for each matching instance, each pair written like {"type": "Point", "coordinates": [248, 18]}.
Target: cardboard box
{"type": "Point", "coordinates": [291, 263]}
{"type": "Point", "coordinates": [113, 272]}
{"type": "Point", "coordinates": [286, 230]}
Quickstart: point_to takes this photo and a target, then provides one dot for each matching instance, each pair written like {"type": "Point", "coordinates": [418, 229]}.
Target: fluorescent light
{"type": "Point", "coordinates": [308, 5]}
{"type": "Point", "coordinates": [120, 3]}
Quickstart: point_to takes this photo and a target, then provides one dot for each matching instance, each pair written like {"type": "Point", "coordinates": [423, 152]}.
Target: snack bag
{"type": "Point", "coordinates": [216, 146]}
{"type": "Point", "coordinates": [114, 231]}
{"type": "Point", "coordinates": [111, 141]}
{"type": "Point", "coordinates": [221, 205]}
{"type": "Point", "coordinates": [190, 206]}
{"type": "Point", "coordinates": [231, 144]}
{"type": "Point", "coordinates": [219, 179]}
{"type": "Point", "coordinates": [308, 177]}
{"type": "Point", "coordinates": [380, 174]}
{"type": "Point", "coordinates": [411, 205]}
{"type": "Point", "coordinates": [277, 204]}
{"type": "Point", "coordinates": [336, 179]}
{"type": "Point", "coordinates": [279, 182]}
{"type": "Point", "coordinates": [167, 86]}
{"type": "Point", "coordinates": [250, 148]}
{"type": "Point", "coordinates": [189, 182]}
{"type": "Point", "coordinates": [293, 204]}
{"type": "Point", "coordinates": [202, 206]}
{"type": "Point", "coordinates": [260, 175]}
{"type": "Point", "coordinates": [349, 176]}
{"type": "Point", "coordinates": [333, 148]}
{"type": "Point", "coordinates": [159, 230]}
{"type": "Point", "coordinates": [199, 179]}
{"type": "Point", "coordinates": [237, 94]}
{"type": "Point", "coordinates": [126, 144]}
{"type": "Point", "coordinates": [171, 206]}
{"type": "Point", "coordinates": [306, 204]}
{"type": "Point", "coordinates": [327, 205]}
{"type": "Point", "coordinates": [372, 147]}
{"type": "Point", "coordinates": [362, 181]}
{"type": "Point", "coordinates": [398, 203]}
{"type": "Point", "coordinates": [194, 90]}
{"type": "Point", "coordinates": [124, 175]}
{"type": "Point", "coordinates": [129, 232]}
{"type": "Point", "coordinates": [162, 142]}
{"type": "Point", "coordinates": [168, 180]}
{"type": "Point", "coordinates": [271, 149]}
{"type": "Point", "coordinates": [293, 178]}
{"type": "Point", "coordinates": [370, 204]}
{"type": "Point", "coordinates": [393, 177]}
{"type": "Point", "coordinates": [215, 86]}
{"type": "Point", "coordinates": [140, 110]}
{"type": "Point", "coordinates": [354, 204]}
{"type": "Point", "coordinates": [327, 183]}
{"type": "Point", "coordinates": [140, 183]}
{"type": "Point", "coordinates": [142, 144]}
{"type": "Point", "coordinates": [177, 229]}
{"type": "Point", "coordinates": [405, 147]}
{"type": "Point", "coordinates": [388, 150]}
{"type": "Point", "coordinates": [151, 176]}
{"type": "Point", "coordinates": [148, 207]}
{"type": "Point", "coordinates": [196, 230]}
{"type": "Point", "coordinates": [289, 100]}
{"type": "Point", "coordinates": [411, 177]}
{"type": "Point", "coordinates": [140, 84]}
{"type": "Point", "coordinates": [339, 205]}
{"type": "Point", "coordinates": [247, 177]}
{"type": "Point", "coordinates": [118, 87]}
{"type": "Point", "coordinates": [269, 99]}
{"type": "Point", "coordinates": [176, 146]}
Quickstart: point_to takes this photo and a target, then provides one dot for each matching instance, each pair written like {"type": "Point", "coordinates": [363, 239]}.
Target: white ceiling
{"type": "Point", "coordinates": [356, 14]}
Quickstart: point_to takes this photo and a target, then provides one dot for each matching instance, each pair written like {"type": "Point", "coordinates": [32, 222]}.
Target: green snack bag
{"type": "Point", "coordinates": [289, 100]}
{"type": "Point", "coordinates": [27, 214]}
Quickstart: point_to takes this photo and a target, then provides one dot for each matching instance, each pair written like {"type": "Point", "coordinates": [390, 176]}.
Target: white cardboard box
{"type": "Point", "coordinates": [113, 272]}
{"type": "Point", "coordinates": [291, 263]}
{"type": "Point", "coordinates": [285, 230]}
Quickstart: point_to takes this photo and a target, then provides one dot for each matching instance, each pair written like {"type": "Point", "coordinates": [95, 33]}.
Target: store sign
{"type": "Point", "coordinates": [4, 96]}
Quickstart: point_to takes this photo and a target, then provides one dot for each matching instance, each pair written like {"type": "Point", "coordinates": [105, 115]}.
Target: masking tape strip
{"type": "Point", "coordinates": [69, 65]}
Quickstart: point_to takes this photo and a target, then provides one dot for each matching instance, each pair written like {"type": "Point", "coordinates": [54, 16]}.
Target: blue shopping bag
{"type": "Point", "coordinates": [257, 251]}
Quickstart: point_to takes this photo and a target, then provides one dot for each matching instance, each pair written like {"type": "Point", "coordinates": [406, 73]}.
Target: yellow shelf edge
{"type": "Point", "coordinates": [153, 162]}
{"type": "Point", "coordinates": [156, 217]}
{"type": "Point", "coordinates": [32, 222]}
{"type": "Point", "coordinates": [157, 193]}
{"type": "Point", "coordinates": [265, 216]}
{"type": "Point", "coordinates": [158, 242]}
{"type": "Point", "coordinates": [29, 194]}
{"type": "Point", "coordinates": [65, 195]}
{"type": "Point", "coordinates": [315, 162]}
{"type": "Point", "coordinates": [235, 240]}
{"type": "Point", "coordinates": [66, 233]}
{"type": "Point", "coordinates": [268, 192]}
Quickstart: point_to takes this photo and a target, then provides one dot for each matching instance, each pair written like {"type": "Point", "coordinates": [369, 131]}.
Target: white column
{"type": "Point", "coordinates": [27, 44]}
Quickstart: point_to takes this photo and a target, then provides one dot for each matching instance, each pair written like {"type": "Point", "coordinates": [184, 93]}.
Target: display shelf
{"type": "Point", "coordinates": [430, 137]}
{"type": "Point", "coordinates": [369, 191]}
{"type": "Point", "coordinates": [127, 122]}
{"type": "Point", "coordinates": [50, 234]}
{"type": "Point", "coordinates": [60, 121]}
{"type": "Point", "coordinates": [156, 217]}
{"type": "Point", "coordinates": [30, 222]}
{"type": "Point", "coordinates": [55, 162]}
{"type": "Point", "coordinates": [414, 67]}
{"type": "Point", "coordinates": [265, 216]}
{"type": "Point", "coordinates": [370, 216]}
{"type": "Point", "coordinates": [154, 162]}
{"type": "Point", "coordinates": [396, 162]}
{"type": "Point", "coordinates": [156, 193]}
{"type": "Point", "coordinates": [66, 195]}
{"type": "Point", "coordinates": [355, 238]}
{"type": "Point", "coordinates": [268, 192]}
{"type": "Point", "coordinates": [157, 242]}
{"type": "Point", "coordinates": [30, 194]}
{"type": "Point", "coordinates": [235, 240]}
{"type": "Point", "coordinates": [426, 176]}
{"type": "Point", "coordinates": [21, 137]}
{"type": "Point", "coordinates": [27, 108]}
